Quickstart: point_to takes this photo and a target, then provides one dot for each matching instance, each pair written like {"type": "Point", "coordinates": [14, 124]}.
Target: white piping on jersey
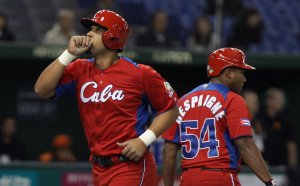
{"type": "Point", "coordinates": [232, 179]}
{"type": "Point", "coordinates": [144, 169]}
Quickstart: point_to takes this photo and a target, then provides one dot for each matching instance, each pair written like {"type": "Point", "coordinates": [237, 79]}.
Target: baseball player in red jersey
{"type": "Point", "coordinates": [113, 94]}
{"type": "Point", "coordinates": [213, 128]}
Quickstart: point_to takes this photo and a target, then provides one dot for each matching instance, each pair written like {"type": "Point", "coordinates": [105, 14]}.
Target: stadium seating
{"type": "Point", "coordinates": [18, 18]}
{"type": "Point", "coordinates": [281, 19]}
{"type": "Point", "coordinates": [30, 19]}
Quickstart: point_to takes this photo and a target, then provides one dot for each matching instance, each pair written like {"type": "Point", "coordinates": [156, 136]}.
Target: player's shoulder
{"type": "Point", "coordinates": [133, 65]}
{"type": "Point", "coordinates": [128, 62]}
{"type": "Point", "coordinates": [213, 89]}
{"type": "Point", "coordinates": [234, 97]}
{"type": "Point", "coordinates": [145, 70]}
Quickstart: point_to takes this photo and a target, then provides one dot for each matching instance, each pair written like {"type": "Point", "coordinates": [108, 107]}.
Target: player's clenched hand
{"type": "Point", "coordinates": [79, 44]}
{"type": "Point", "coordinates": [134, 149]}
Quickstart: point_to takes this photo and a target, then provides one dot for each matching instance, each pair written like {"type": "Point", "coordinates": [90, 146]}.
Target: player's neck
{"type": "Point", "coordinates": [106, 60]}
{"type": "Point", "coordinates": [216, 80]}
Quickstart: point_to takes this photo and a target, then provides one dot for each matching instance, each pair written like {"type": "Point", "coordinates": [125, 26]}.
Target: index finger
{"type": "Point", "coordinates": [125, 150]}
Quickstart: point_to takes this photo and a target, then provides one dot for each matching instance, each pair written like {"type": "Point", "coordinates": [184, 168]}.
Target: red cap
{"type": "Point", "coordinates": [226, 57]}
{"type": "Point", "coordinates": [115, 37]}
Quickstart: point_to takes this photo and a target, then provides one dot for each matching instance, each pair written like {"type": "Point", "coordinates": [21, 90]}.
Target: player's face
{"type": "Point", "coordinates": [237, 80]}
{"type": "Point", "coordinates": [96, 35]}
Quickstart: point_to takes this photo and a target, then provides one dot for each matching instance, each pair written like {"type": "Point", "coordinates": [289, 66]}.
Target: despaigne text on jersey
{"type": "Point", "coordinates": [204, 101]}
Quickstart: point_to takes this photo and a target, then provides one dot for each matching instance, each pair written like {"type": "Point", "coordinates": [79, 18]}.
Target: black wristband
{"type": "Point", "coordinates": [271, 183]}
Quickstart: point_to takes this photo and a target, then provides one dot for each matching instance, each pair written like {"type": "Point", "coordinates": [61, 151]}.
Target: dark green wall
{"type": "Point", "coordinates": [37, 130]}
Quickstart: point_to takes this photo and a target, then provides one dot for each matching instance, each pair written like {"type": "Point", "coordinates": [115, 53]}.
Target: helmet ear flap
{"type": "Point", "coordinates": [105, 38]}
{"type": "Point", "coordinates": [110, 40]}
{"type": "Point", "coordinates": [114, 39]}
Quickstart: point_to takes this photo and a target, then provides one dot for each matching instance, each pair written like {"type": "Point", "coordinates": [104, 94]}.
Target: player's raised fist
{"type": "Point", "coordinates": [79, 44]}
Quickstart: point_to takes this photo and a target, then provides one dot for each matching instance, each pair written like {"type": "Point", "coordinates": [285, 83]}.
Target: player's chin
{"type": "Point", "coordinates": [91, 51]}
{"type": "Point", "coordinates": [241, 89]}
{"type": "Point", "coordinates": [238, 90]}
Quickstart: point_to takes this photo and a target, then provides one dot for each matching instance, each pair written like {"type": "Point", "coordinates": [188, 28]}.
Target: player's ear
{"type": "Point", "coordinates": [228, 73]}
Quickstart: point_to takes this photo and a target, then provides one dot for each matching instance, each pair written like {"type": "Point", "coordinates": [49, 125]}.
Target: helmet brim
{"type": "Point", "coordinates": [248, 67]}
{"type": "Point", "coordinates": [86, 22]}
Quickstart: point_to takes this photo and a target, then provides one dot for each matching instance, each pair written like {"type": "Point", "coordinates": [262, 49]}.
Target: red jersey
{"type": "Point", "coordinates": [211, 117]}
{"type": "Point", "coordinates": [113, 103]}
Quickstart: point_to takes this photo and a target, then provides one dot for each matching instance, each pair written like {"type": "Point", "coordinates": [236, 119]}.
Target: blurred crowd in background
{"type": "Point", "coordinates": [275, 132]}
{"type": "Point", "coordinates": [252, 25]}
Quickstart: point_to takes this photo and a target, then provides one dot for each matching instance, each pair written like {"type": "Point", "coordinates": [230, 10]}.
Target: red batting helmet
{"type": "Point", "coordinates": [117, 29]}
{"type": "Point", "coordinates": [226, 57]}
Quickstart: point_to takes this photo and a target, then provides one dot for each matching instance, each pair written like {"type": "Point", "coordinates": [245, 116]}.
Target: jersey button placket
{"type": "Point", "coordinates": [97, 135]}
{"type": "Point", "coordinates": [98, 118]}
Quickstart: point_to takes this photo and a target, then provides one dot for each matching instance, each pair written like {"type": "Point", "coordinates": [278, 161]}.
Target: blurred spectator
{"type": "Point", "coordinates": [96, 5]}
{"type": "Point", "coordinates": [157, 34]}
{"type": "Point", "coordinates": [61, 150]}
{"type": "Point", "coordinates": [279, 134]}
{"type": "Point", "coordinates": [247, 29]}
{"type": "Point", "coordinates": [11, 148]}
{"type": "Point", "coordinates": [201, 38]}
{"type": "Point", "coordinates": [62, 30]}
{"type": "Point", "coordinates": [252, 102]}
{"type": "Point", "coordinates": [5, 33]}
{"type": "Point", "coordinates": [230, 7]}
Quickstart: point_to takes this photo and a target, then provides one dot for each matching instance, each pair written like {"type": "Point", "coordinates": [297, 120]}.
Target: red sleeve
{"type": "Point", "coordinates": [67, 83]}
{"type": "Point", "coordinates": [159, 92]}
{"type": "Point", "coordinates": [172, 134]}
{"type": "Point", "coordinates": [74, 69]}
{"type": "Point", "coordinates": [237, 116]}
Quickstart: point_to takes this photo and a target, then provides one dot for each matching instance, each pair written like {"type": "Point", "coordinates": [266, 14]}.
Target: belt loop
{"type": "Point", "coordinates": [123, 158]}
{"type": "Point", "coordinates": [115, 159]}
